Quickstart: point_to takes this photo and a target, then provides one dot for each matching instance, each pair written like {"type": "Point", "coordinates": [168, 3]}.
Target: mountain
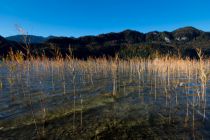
{"type": "Point", "coordinates": [186, 34]}
{"type": "Point", "coordinates": [127, 36]}
{"type": "Point", "coordinates": [2, 40]}
{"type": "Point", "coordinates": [6, 46]}
{"type": "Point", "coordinates": [126, 44]}
{"type": "Point", "coordinates": [29, 38]}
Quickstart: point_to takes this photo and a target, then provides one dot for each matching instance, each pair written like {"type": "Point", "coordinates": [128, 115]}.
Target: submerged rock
{"type": "Point", "coordinates": [181, 84]}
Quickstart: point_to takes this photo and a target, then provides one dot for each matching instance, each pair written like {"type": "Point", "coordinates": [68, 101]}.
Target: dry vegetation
{"type": "Point", "coordinates": [173, 79]}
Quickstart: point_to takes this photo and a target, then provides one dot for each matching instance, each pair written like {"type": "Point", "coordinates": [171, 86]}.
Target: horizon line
{"type": "Point", "coordinates": [97, 34]}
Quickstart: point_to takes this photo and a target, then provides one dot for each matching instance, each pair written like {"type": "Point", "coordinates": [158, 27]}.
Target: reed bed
{"type": "Point", "coordinates": [32, 85]}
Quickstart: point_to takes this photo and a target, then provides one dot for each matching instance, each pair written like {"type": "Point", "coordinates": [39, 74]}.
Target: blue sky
{"type": "Point", "coordinates": [91, 17]}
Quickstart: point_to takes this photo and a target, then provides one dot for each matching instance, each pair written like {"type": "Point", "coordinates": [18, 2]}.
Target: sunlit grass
{"type": "Point", "coordinates": [179, 82]}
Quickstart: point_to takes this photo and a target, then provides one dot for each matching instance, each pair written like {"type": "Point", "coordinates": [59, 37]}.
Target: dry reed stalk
{"type": "Point", "coordinates": [203, 79]}
{"type": "Point", "coordinates": [139, 70]}
{"type": "Point", "coordinates": [114, 77]}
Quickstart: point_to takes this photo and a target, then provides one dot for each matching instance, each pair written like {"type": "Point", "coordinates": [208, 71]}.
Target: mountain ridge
{"type": "Point", "coordinates": [127, 43]}
{"type": "Point", "coordinates": [41, 39]}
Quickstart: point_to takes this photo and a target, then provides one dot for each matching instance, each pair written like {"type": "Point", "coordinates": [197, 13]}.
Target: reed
{"type": "Point", "coordinates": [168, 79]}
{"type": "Point", "coordinates": [203, 75]}
{"type": "Point", "coordinates": [114, 77]}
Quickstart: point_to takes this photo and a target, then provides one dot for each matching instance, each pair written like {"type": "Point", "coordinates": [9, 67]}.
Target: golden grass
{"type": "Point", "coordinates": [164, 76]}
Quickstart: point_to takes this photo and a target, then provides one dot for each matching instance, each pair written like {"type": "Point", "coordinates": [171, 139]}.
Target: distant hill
{"type": "Point", "coordinates": [128, 43]}
{"type": "Point", "coordinates": [30, 38]}
{"type": "Point", "coordinates": [187, 34]}
{"type": "Point", "coordinates": [6, 45]}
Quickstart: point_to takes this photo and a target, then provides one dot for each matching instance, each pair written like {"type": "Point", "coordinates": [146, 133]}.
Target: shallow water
{"type": "Point", "coordinates": [147, 107]}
